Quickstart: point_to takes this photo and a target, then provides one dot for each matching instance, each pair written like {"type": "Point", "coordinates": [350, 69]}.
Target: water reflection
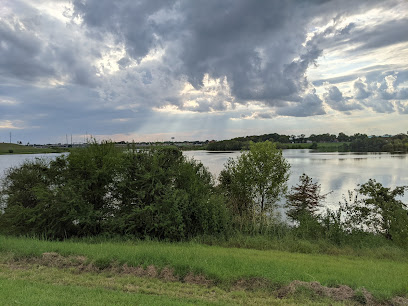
{"type": "Point", "coordinates": [337, 172]}
{"type": "Point", "coordinates": [14, 160]}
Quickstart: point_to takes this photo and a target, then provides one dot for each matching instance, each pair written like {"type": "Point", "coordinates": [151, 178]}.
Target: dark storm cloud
{"type": "Point", "coordinates": [310, 105]}
{"type": "Point", "coordinates": [69, 109]}
{"type": "Point", "coordinates": [21, 52]}
{"type": "Point", "coordinates": [361, 90]}
{"type": "Point", "coordinates": [35, 47]}
{"type": "Point", "coordinates": [252, 44]}
{"type": "Point", "coordinates": [335, 99]}
{"type": "Point", "coordinates": [132, 22]}
{"type": "Point", "coordinates": [382, 35]}
{"type": "Point", "coordinates": [362, 38]}
{"type": "Point", "coordinates": [256, 45]}
{"type": "Point", "coordinates": [114, 62]}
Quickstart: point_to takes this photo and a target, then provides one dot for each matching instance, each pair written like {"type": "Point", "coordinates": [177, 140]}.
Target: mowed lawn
{"type": "Point", "coordinates": [383, 278]}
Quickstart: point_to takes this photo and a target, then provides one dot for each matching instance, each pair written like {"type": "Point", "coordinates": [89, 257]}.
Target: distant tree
{"type": "Point", "coordinates": [283, 139]}
{"type": "Point", "coordinates": [343, 137]}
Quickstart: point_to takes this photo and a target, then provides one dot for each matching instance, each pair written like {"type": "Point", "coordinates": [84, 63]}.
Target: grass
{"type": "Point", "coordinates": [384, 278]}
{"type": "Point", "coordinates": [367, 246]}
{"type": "Point", "coordinates": [16, 291]}
{"type": "Point", "coordinates": [11, 148]}
{"type": "Point", "coordinates": [39, 285]}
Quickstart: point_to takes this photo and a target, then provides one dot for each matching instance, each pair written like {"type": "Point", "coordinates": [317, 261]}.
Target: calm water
{"type": "Point", "coordinates": [336, 172]}
{"type": "Point", "coordinates": [13, 160]}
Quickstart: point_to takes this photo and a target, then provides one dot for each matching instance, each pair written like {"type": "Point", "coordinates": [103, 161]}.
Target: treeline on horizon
{"type": "Point", "coordinates": [161, 194]}
{"type": "Point", "coordinates": [322, 142]}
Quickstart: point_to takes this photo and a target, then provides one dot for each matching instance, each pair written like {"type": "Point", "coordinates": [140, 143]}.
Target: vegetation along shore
{"type": "Point", "coordinates": [153, 227]}
{"type": "Point", "coordinates": [11, 148]}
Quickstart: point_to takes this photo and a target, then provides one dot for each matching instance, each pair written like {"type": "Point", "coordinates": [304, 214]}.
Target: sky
{"type": "Point", "coordinates": [150, 70]}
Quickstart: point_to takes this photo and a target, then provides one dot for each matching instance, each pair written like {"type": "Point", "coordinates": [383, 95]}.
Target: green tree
{"type": "Point", "coordinates": [303, 202]}
{"type": "Point", "coordinates": [343, 137]}
{"type": "Point", "coordinates": [255, 181]}
{"type": "Point", "coordinates": [378, 211]}
{"type": "Point", "coordinates": [304, 199]}
{"type": "Point", "coordinates": [162, 194]}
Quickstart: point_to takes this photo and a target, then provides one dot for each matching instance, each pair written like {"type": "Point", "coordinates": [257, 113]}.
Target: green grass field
{"type": "Point", "coordinates": [11, 148]}
{"type": "Point", "coordinates": [224, 266]}
{"type": "Point", "coordinates": [35, 285]}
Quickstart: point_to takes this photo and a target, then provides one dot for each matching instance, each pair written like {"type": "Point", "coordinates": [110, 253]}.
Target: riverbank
{"type": "Point", "coordinates": [180, 273]}
{"type": "Point", "coordinates": [11, 148]}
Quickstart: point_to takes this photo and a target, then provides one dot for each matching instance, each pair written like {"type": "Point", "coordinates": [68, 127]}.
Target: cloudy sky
{"type": "Point", "coordinates": [150, 70]}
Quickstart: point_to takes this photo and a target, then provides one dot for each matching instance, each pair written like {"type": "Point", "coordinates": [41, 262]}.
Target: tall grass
{"type": "Point", "coordinates": [383, 277]}
{"type": "Point", "coordinates": [370, 247]}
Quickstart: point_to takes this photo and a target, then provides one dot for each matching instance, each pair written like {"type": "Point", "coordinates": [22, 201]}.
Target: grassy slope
{"type": "Point", "coordinates": [20, 149]}
{"type": "Point", "coordinates": [38, 285]}
{"type": "Point", "coordinates": [384, 278]}
{"type": "Point", "coordinates": [37, 292]}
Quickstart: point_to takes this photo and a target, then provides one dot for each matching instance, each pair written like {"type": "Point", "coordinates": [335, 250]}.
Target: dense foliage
{"type": "Point", "coordinates": [99, 190]}
{"type": "Point", "coordinates": [158, 193]}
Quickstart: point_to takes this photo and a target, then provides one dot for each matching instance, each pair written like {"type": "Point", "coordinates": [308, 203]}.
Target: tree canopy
{"type": "Point", "coordinates": [256, 180]}
{"type": "Point", "coordinates": [100, 190]}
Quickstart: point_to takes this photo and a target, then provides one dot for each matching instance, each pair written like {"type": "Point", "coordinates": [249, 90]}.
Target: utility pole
{"type": "Point", "coordinates": [10, 137]}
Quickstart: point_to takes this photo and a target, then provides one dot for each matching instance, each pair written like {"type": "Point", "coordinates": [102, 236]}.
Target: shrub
{"type": "Point", "coordinates": [100, 190]}
{"type": "Point", "coordinates": [378, 211]}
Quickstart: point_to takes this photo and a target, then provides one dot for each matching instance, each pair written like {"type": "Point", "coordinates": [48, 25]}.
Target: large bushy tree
{"type": "Point", "coordinates": [100, 190]}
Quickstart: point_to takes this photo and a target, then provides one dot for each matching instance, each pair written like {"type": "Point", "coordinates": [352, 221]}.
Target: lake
{"type": "Point", "coordinates": [336, 172]}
